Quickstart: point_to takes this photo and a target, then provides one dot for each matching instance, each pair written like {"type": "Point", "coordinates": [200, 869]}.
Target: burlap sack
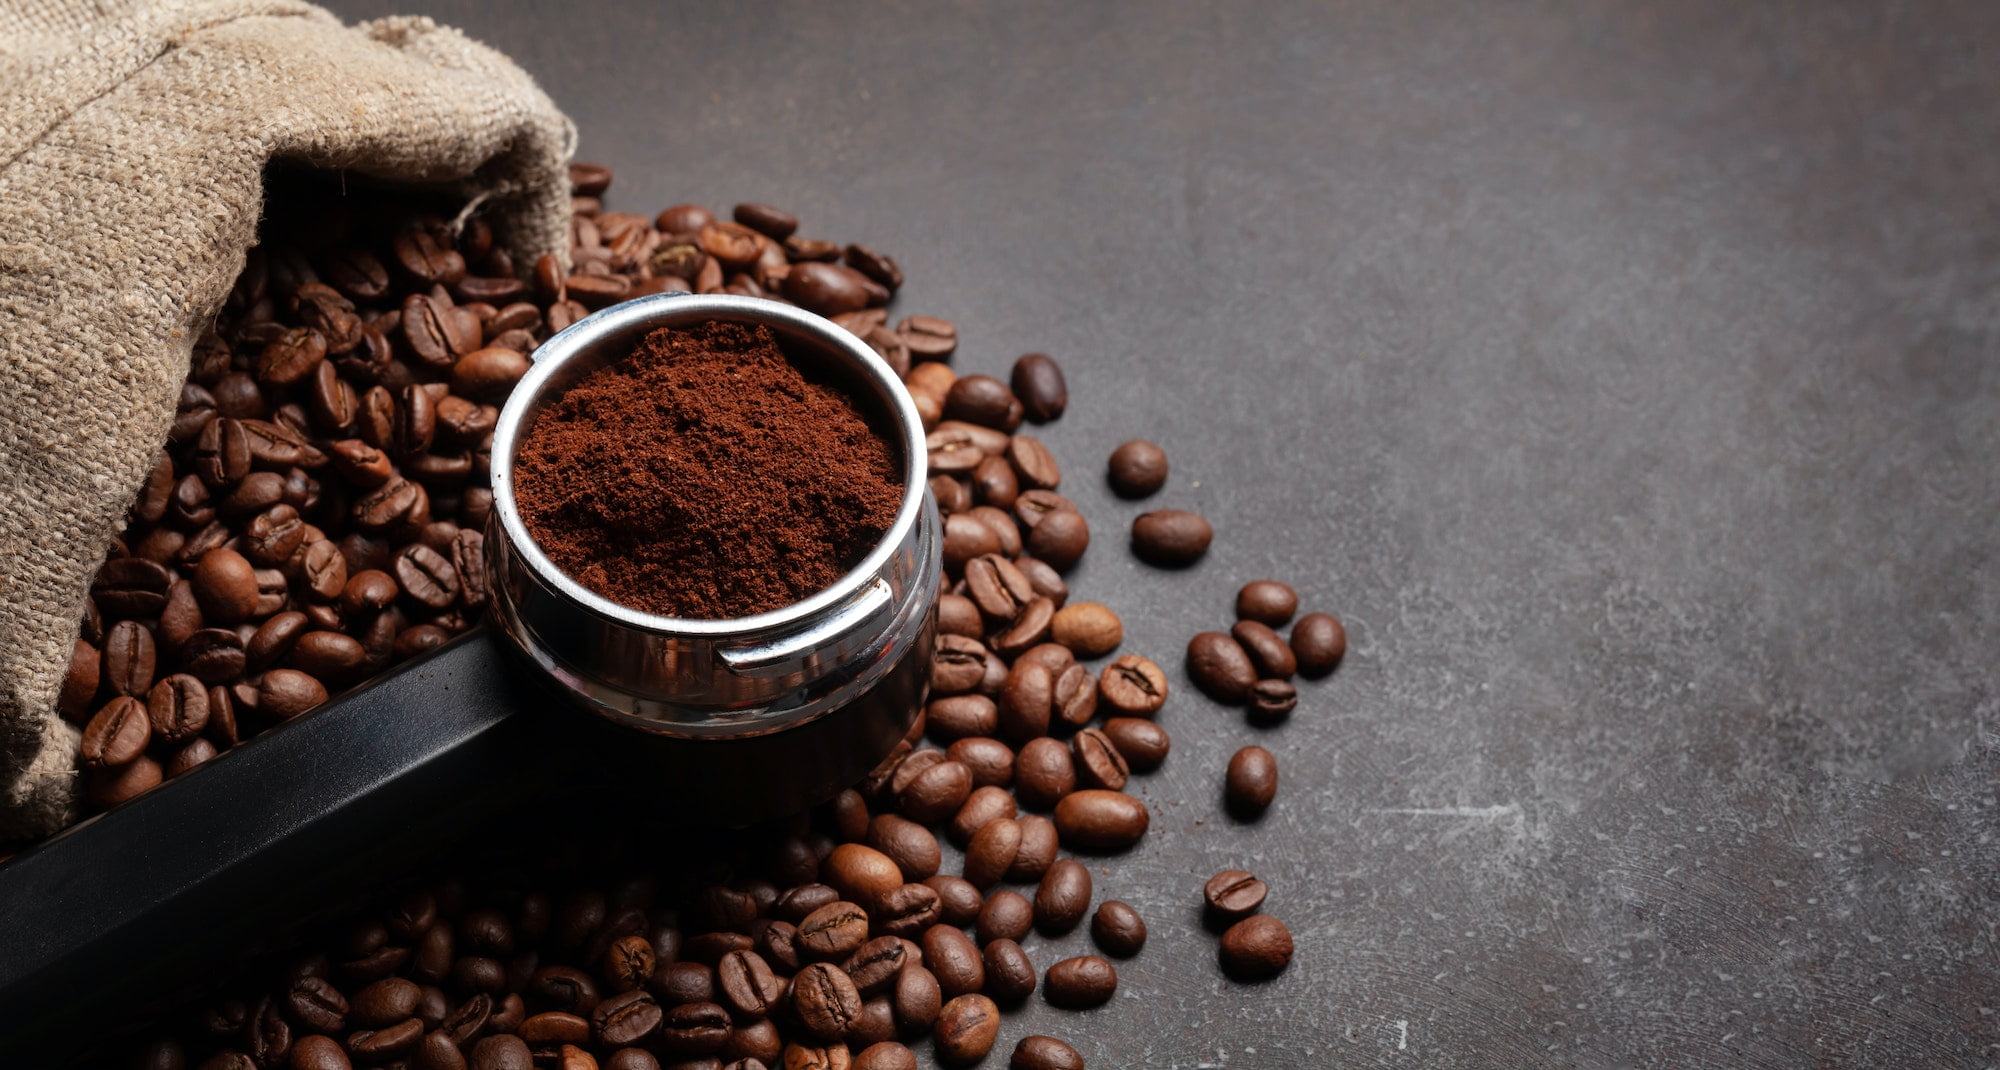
{"type": "Point", "coordinates": [133, 140]}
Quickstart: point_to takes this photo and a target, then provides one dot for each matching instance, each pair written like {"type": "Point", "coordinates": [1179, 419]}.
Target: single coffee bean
{"type": "Point", "coordinates": [178, 709]}
{"type": "Point", "coordinates": [833, 931]}
{"type": "Point", "coordinates": [1080, 982]}
{"type": "Point", "coordinates": [1098, 762]}
{"type": "Point", "coordinates": [966, 1029]}
{"type": "Point", "coordinates": [384, 1003]}
{"type": "Point", "coordinates": [954, 959]}
{"type": "Point", "coordinates": [1138, 468]}
{"type": "Point", "coordinates": [555, 1027]}
{"type": "Point", "coordinates": [936, 793]}
{"type": "Point", "coordinates": [763, 218]}
{"type": "Point", "coordinates": [684, 982]}
{"type": "Point", "coordinates": [1044, 773]}
{"type": "Point", "coordinates": [979, 399]}
{"type": "Point", "coordinates": [1007, 915]}
{"type": "Point", "coordinates": [1090, 629]}
{"type": "Point", "coordinates": [959, 615]}
{"type": "Point", "coordinates": [1133, 686]}
{"type": "Point", "coordinates": [1142, 743]}
{"type": "Point", "coordinates": [825, 1001]}
{"type": "Point", "coordinates": [225, 583]}
{"type": "Point", "coordinates": [959, 900]}
{"type": "Point", "coordinates": [887, 1055]}
{"type": "Point", "coordinates": [1319, 641]}
{"type": "Point", "coordinates": [874, 965]}
{"type": "Point", "coordinates": [1075, 698]}
{"type": "Point", "coordinates": [916, 998]}
{"type": "Point", "coordinates": [1252, 780]}
{"type": "Point", "coordinates": [908, 768]}
{"type": "Point", "coordinates": [426, 576]}
{"type": "Point", "coordinates": [1038, 381]}
{"type": "Point", "coordinates": [1062, 898]}
{"type": "Point", "coordinates": [1267, 602]}
{"type": "Point", "coordinates": [117, 735]}
{"type": "Point", "coordinates": [996, 587]}
{"type": "Point", "coordinates": [1219, 666]}
{"type": "Point", "coordinates": [1059, 539]}
{"type": "Point", "coordinates": [1099, 820]}
{"type": "Point", "coordinates": [1033, 463]}
{"type": "Point", "coordinates": [861, 874]}
{"type": "Point", "coordinates": [1233, 894]}
{"type": "Point", "coordinates": [958, 664]}
{"type": "Point", "coordinates": [1027, 698]}
{"type": "Point", "coordinates": [828, 289]}
{"type": "Point", "coordinates": [328, 655]}
{"type": "Point", "coordinates": [130, 657]}
{"type": "Point", "coordinates": [286, 693]}
{"type": "Point", "coordinates": [504, 1052]}
{"type": "Point", "coordinates": [111, 785]}
{"type": "Point", "coordinates": [816, 1057]}
{"type": "Point", "coordinates": [137, 587]}
{"type": "Point", "coordinates": [1267, 649]}
{"type": "Point", "coordinates": [1044, 1053]}
{"type": "Point", "coordinates": [695, 1028]}
{"type": "Point", "coordinates": [1037, 851]}
{"type": "Point", "coordinates": [85, 673]}
{"type": "Point", "coordinates": [995, 484]}
{"type": "Point", "coordinates": [911, 846]}
{"type": "Point", "coordinates": [1256, 948]}
{"type": "Point", "coordinates": [628, 963]}
{"type": "Point", "coordinates": [928, 337]}
{"type": "Point", "coordinates": [318, 1053]}
{"type": "Point", "coordinates": [992, 765]}
{"type": "Point", "coordinates": [1118, 929]}
{"type": "Point", "coordinates": [1272, 700]}
{"type": "Point", "coordinates": [213, 655]}
{"type": "Point", "coordinates": [991, 851]}
{"type": "Point", "coordinates": [1010, 976]}
{"type": "Point", "coordinates": [626, 1018]}
{"type": "Point", "coordinates": [1170, 537]}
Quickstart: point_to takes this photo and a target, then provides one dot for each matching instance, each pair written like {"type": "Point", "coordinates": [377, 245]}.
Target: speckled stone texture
{"type": "Point", "coordinates": [1624, 378]}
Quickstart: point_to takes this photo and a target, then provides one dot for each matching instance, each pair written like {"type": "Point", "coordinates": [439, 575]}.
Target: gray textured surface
{"type": "Point", "coordinates": [1626, 380]}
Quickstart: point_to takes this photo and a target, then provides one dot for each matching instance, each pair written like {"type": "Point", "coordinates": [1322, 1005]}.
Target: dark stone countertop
{"type": "Point", "coordinates": [1624, 378]}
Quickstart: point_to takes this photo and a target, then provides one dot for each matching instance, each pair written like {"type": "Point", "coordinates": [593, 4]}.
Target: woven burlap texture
{"type": "Point", "coordinates": [133, 142]}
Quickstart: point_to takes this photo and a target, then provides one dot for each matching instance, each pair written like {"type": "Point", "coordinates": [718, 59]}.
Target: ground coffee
{"type": "Point", "coordinates": [706, 476]}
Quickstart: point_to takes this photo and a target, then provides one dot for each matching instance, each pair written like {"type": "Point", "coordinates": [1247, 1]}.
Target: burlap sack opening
{"type": "Point", "coordinates": [134, 137]}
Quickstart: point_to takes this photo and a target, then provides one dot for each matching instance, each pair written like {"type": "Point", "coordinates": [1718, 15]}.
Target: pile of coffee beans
{"type": "Point", "coordinates": [838, 940]}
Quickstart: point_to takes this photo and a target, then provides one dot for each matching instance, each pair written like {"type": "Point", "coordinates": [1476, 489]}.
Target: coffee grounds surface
{"type": "Point", "coordinates": [706, 476]}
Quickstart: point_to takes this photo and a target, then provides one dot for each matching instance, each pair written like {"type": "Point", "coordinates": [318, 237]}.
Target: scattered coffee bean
{"type": "Point", "coordinates": [1100, 820]}
{"type": "Point", "coordinates": [954, 960]}
{"type": "Point", "coordinates": [1233, 894]}
{"type": "Point", "coordinates": [1044, 1053]}
{"type": "Point", "coordinates": [1319, 642]}
{"type": "Point", "coordinates": [1010, 975]}
{"type": "Point", "coordinates": [1080, 982]}
{"type": "Point", "coordinates": [1118, 929]}
{"type": "Point", "coordinates": [1219, 666]}
{"type": "Point", "coordinates": [1171, 537]}
{"type": "Point", "coordinates": [1098, 761]}
{"type": "Point", "coordinates": [1267, 649]}
{"type": "Point", "coordinates": [1257, 948]}
{"type": "Point", "coordinates": [1267, 602]}
{"type": "Point", "coordinates": [1090, 629]}
{"type": "Point", "coordinates": [1142, 743]}
{"type": "Point", "coordinates": [1038, 382]}
{"type": "Point", "coordinates": [1063, 897]}
{"type": "Point", "coordinates": [1272, 701]}
{"type": "Point", "coordinates": [1044, 772]}
{"type": "Point", "coordinates": [1252, 780]}
{"type": "Point", "coordinates": [1138, 469]}
{"type": "Point", "coordinates": [1059, 539]}
{"type": "Point", "coordinates": [966, 1029]}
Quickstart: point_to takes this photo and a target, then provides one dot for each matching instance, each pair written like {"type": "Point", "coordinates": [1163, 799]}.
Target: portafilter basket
{"type": "Point", "coordinates": [766, 713]}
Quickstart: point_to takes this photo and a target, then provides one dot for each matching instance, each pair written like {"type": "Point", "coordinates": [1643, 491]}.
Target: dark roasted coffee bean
{"type": "Point", "coordinates": [273, 536]}
{"type": "Point", "coordinates": [1272, 701]}
{"type": "Point", "coordinates": [1142, 743]}
{"type": "Point", "coordinates": [1059, 539]}
{"type": "Point", "coordinates": [80, 682]}
{"type": "Point", "coordinates": [828, 289]}
{"type": "Point", "coordinates": [1138, 468]}
{"type": "Point", "coordinates": [1026, 701]}
{"type": "Point", "coordinates": [953, 958]}
{"type": "Point", "coordinates": [910, 845]}
{"type": "Point", "coordinates": [994, 483]}
{"type": "Point", "coordinates": [999, 589]}
{"type": "Point", "coordinates": [628, 963]}
{"type": "Point", "coordinates": [500, 1053]}
{"type": "Point", "coordinates": [1007, 915]}
{"type": "Point", "coordinates": [129, 658]}
{"type": "Point", "coordinates": [1033, 463]}
{"type": "Point", "coordinates": [861, 874]}
{"type": "Point", "coordinates": [626, 1018]}
{"type": "Point", "coordinates": [957, 615]}
{"type": "Point", "coordinates": [555, 1028]}
{"type": "Point", "coordinates": [1032, 506]}
{"type": "Point", "coordinates": [992, 766]}
{"type": "Point", "coordinates": [1252, 780]}
{"type": "Point", "coordinates": [1099, 820]}
{"type": "Point", "coordinates": [1090, 629]}
{"type": "Point", "coordinates": [1118, 929]}
{"type": "Point", "coordinates": [177, 708]}
{"type": "Point", "coordinates": [317, 1005]}
{"type": "Point", "coordinates": [1171, 537]}
{"type": "Point", "coordinates": [318, 1053]}
{"type": "Point", "coordinates": [956, 717]}
{"type": "Point", "coordinates": [426, 577]}
{"type": "Point", "coordinates": [966, 537]}
{"type": "Point", "coordinates": [1256, 948]}
{"type": "Point", "coordinates": [991, 851]}
{"type": "Point", "coordinates": [117, 735]}
{"type": "Point", "coordinates": [771, 222]}
{"type": "Point", "coordinates": [1003, 527]}
{"type": "Point", "coordinates": [957, 665]}
{"type": "Point", "coordinates": [274, 638]}
{"type": "Point", "coordinates": [1218, 665]}
{"type": "Point", "coordinates": [874, 265]}
{"type": "Point", "coordinates": [1266, 601]}
{"type": "Point", "coordinates": [979, 399]}
{"type": "Point", "coordinates": [874, 965]}
{"type": "Point", "coordinates": [110, 786]}
{"type": "Point", "coordinates": [1084, 981]}
{"type": "Point", "coordinates": [916, 998]}
{"type": "Point", "coordinates": [1268, 651]}
{"type": "Point", "coordinates": [833, 931]}
{"type": "Point", "coordinates": [887, 1055]}
{"type": "Point", "coordinates": [1038, 382]}
{"type": "Point", "coordinates": [384, 1003]}
{"type": "Point", "coordinates": [953, 495]}
{"type": "Point", "coordinates": [695, 1029]}
{"type": "Point", "coordinates": [1010, 976]}
{"type": "Point", "coordinates": [286, 693]}
{"type": "Point", "coordinates": [825, 1001]}
{"type": "Point", "coordinates": [291, 357]}
{"type": "Point", "coordinates": [935, 793]}
{"type": "Point", "coordinates": [1098, 762]}
{"type": "Point", "coordinates": [966, 1029]}
{"type": "Point", "coordinates": [1029, 629]}
{"type": "Point", "coordinates": [225, 583]}
{"type": "Point", "coordinates": [1062, 898]}
{"type": "Point", "coordinates": [684, 982]}
{"type": "Point", "coordinates": [1044, 772]}
{"type": "Point", "coordinates": [1319, 641]}
{"type": "Point", "coordinates": [928, 337]}
{"type": "Point", "coordinates": [1044, 1053]}
{"type": "Point", "coordinates": [958, 900]}
{"type": "Point", "coordinates": [1233, 894]}
{"type": "Point", "coordinates": [908, 910]}
{"type": "Point", "coordinates": [954, 451]}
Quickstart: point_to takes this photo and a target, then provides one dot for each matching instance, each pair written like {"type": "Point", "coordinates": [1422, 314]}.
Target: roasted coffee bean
{"type": "Point", "coordinates": [994, 483]}
{"type": "Point", "coordinates": [887, 1055]}
{"type": "Point", "coordinates": [694, 1028]}
{"type": "Point", "coordinates": [1044, 1053]}
{"type": "Point", "coordinates": [966, 1029]}
{"type": "Point", "coordinates": [908, 910]}
{"type": "Point", "coordinates": [954, 451]}
{"type": "Point", "coordinates": [861, 874]}
{"type": "Point", "coordinates": [1030, 628]}
{"type": "Point", "coordinates": [628, 963]}
{"type": "Point", "coordinates": [956, 717]}
{"type": "Point", "coordinates": [684, 982]}
{"type": "Point", "coordinates": [286, 693]}
{"type": "Point", "coordinates": [225, 584]}
{"type": "Point", "coordinates": [928, 337]}
{"type": "Point", "coordinates": [137, 587]}
{"type": "Point", "coordinates": [426, 577]}
{"type": "Point", "coordinates": [1080, 982]}
{"type": "Point", "coordinates": [815, 1057]}
{"type": "Point", "coordinates": [1098, 762]}
{"type": "Point", "coordinates": [1090, 629]}
{"type": "Point", "coordinates": [1099, 820]}
{"type": "Point", "coordinates": [1272, 700]}
{"type": "Point", "coordinates": [1267, 602]}
{"type": "Point", "coordinates": [1033, 463]}
{"type": "Point", "coordinates": [991, 763]}
{"type": "Point", "coordinates": [952, 957]}
{"type": "Point", "coordinates": [1075, 698]}
{"type": "Point", "coordinates": [367, 591]}
{"type": "Point", "coordinates": [957, 615]}
{"type": "Point", "coordinates": [1252, 780]}
{"type": "Point", "coordinates": [1032, 506]}
{"type": "Point", "coordinates": [504, 1052]}
{"type": "Point", "coordinates": [936, 793]}
{"type": "Point", "coordinates": [117, 735]}
{"type": "Point", "coordinates": [991, 851]}
{"type": "Point", "coordinates": [1038, 382]}
{"type": "Point", "coordinates": [874, 265]}
{"type": "Point", "coordinates": [626, 1018]}
{"type": "Point", "coordinates": [1233, 894]}
{"type": "Point", "coordinates": [1256, 948]}
{"type": "Point", "coordinates": [874, 965]}
{"type": "Point", "coordinates": [966, 537]}
{"type": "Point", "coordinates": [1038, 849]}
{"type": "Point", "coordinates": [110, 786]}
{"type": "Point", "coordinates": [291, 357]}
{"type": "Point", "coordinates": [130, 658]}
{"type": "Point", "coordinates": [999, 589]}
{"type": "Point", "coordinates": [273, 536]}
{"type": "Point", "coordinates": [825, 1001]}
{"type": "Point", "coordinates": [554, 1028]}
{"type": "Point", "coordinates": [833, 931]}
{"type": "Point", "coordinates": [915, 998]}
{"type": "Point", "coordinates": [1319, 641]}
{"type": "Point", "coordinates": [1044, 773]}
{"type": "Point", "coordinates": [1007, 915]}
{"type": "Point", "coordinates": [1171, 537]}
{"type": "Point", "coordinates": [1118, 929]}
{"type": "Point", "coordinates": [1138, 469]}
{"type": "Point", "coordinates": [1010, 976]}
{"type": "Point", "coordinates": [318, 1053]}
{"type": "Point", "coordinates": [1218, 665]}
{"type": "Point", "coordinates": [1142, 743]}
{"type": "Point", "coordinates": [80, 682]}
{"type": "Point", "coordinates": [1059, 538]}
{"type": "Point", "coordinates": [957, 665]}
{"type": "Point", "coordinates": [959, 901]}
{"type": "Point", "coordinates": [1062, 898]}
{"type": "Point", "coordinates": [953, 495]}
{"type": "Point", "coordinates": [1268, 650]}
{"type": "Point", "coordinates": [980, 399]}
{"type": "Point", "coordinates": [213, 655]}
{"type": "Point", "coordinates": [384, 1003]}
{"type": "Point", "coordinates": [1026, 702]}
{"type": "Point", "coordinates": [910, 845]}
{"type": "Point", "coordinates": [828, 289]}
{"type": "Point", "coordinates": [177, 708]}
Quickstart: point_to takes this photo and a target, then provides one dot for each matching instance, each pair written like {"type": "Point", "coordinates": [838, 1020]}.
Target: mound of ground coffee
{"type": "Point", "coordinates": [706, 476]}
